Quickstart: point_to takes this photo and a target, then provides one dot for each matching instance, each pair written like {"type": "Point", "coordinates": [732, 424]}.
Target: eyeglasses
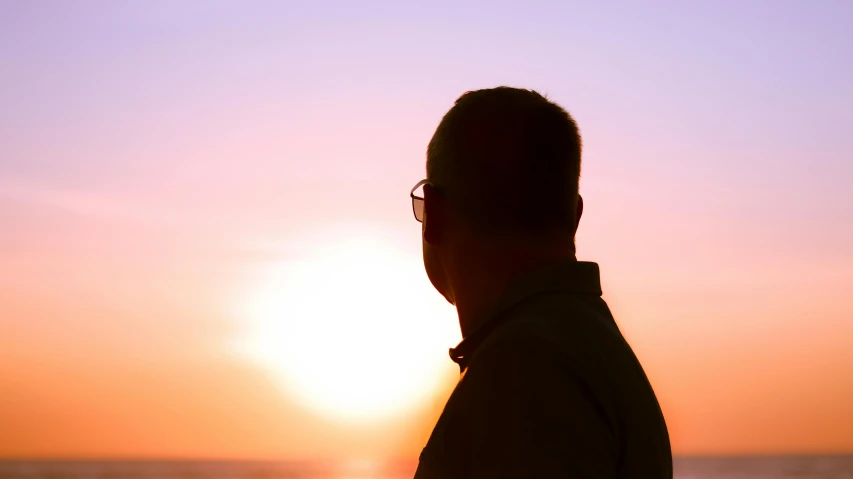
{"type": "Point", "coordinates": [418, 201]}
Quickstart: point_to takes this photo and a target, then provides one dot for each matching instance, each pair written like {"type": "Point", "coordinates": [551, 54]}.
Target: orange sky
{"type": "Point", "coordinates": [155, 162]}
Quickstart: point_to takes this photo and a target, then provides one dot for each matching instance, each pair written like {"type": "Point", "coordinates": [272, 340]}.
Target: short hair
{"type": "Point", "coordinates": [509, 160]}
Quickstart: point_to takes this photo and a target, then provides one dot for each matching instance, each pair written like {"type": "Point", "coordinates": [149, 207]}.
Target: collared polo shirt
{"type": "Point", "coordinates": [549, 388]}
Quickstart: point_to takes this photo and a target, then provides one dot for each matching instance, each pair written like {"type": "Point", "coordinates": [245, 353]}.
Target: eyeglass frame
{"type": "Point", "coordinates": [418, 198]}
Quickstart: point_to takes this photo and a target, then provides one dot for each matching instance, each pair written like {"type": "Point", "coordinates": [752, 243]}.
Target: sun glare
{"type": "Point", "coordinates": [353, 330]}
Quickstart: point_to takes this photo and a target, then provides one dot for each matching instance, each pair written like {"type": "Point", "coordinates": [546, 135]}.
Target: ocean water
{"type": "Point", "coordinates": [806, 467]}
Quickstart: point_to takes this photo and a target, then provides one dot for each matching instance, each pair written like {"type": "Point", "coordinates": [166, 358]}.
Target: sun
{"type": "Point", "coordinates": [352, 330]}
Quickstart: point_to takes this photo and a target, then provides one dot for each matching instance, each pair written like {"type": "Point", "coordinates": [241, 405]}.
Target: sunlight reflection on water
{"type": "Point", "coordinates": [829, 467]}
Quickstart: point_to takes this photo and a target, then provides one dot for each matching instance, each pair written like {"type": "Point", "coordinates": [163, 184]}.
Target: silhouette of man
{"type": "Point", "coordinates": [549, 387]}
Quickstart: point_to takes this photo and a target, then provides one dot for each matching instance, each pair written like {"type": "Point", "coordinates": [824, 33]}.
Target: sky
{"type": "Point", "coordinates": [172, 172]}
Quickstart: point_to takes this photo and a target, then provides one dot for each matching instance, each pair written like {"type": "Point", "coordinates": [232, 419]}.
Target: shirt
{"type": "Point", "coordinates": [549, 388]}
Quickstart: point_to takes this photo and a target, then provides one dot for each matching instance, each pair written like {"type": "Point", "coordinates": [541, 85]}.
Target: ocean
{"type": "Point", "coordinates": [789, 467]}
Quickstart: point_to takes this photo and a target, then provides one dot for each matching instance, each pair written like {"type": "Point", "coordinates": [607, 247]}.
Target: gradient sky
{"type": "Point", "coordinates": [155, 156]}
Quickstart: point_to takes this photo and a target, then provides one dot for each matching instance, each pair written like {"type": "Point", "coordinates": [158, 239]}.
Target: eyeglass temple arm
{"type": "Point", "coordinates": [420, 183]}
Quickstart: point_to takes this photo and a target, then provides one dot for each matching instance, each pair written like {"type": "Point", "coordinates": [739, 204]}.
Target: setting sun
{"type": "Point", "coordinates": [352, 330]}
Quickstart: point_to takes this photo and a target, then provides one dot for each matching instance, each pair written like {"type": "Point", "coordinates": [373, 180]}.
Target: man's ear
{"type": "Point", "coordinates": [578, 213]}
{"type": "Point", "coordinates": [434, 215]}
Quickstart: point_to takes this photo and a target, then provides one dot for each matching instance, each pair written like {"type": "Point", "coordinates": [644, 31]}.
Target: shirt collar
{"type": "Point", "coordinates": [570, 276]}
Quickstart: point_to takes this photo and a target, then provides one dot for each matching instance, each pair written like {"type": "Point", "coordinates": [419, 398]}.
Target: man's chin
{"type": "Point", "coordinates": [449, 299]}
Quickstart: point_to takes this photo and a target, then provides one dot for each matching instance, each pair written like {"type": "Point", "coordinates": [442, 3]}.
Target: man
{"type": "Point", "coordinates": [549, 387]}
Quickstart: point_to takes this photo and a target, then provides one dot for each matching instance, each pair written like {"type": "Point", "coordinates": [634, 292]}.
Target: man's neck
{"type": "Point", "coordinates": [485, 278]}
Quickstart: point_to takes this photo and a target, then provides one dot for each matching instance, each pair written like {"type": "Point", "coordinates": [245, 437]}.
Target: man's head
{"type": "Point", "coordinates": [503, 169]}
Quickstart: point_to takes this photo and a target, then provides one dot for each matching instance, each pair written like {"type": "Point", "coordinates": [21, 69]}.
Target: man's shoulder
{"type": "Point", "coordinates": [563, 325]}
{"type": "Point", "coordinates": [557, 368]}
{"type": "Point", "coordinates": [564, 338]}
